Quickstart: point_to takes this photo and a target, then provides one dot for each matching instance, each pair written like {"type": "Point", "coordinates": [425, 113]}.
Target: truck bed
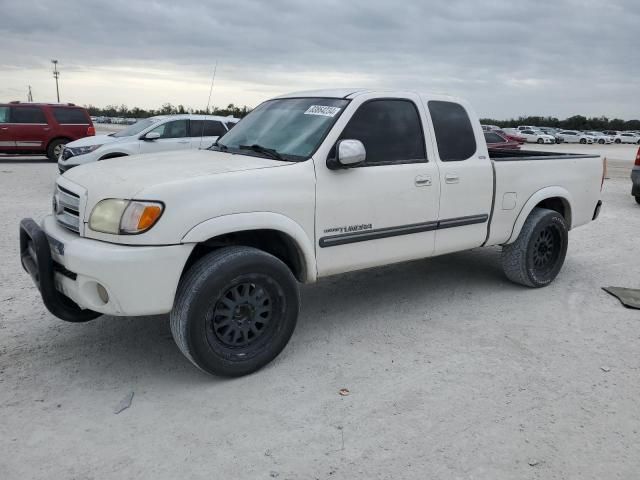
{"type": "Point", "coordinates": [501, 155]}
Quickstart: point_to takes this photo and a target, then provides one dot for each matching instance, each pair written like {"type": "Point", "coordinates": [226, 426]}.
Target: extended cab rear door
{"type": "Point", "coordinates": [385, 209]}
{"type": "Point", "coordinates": [7, 142]}
{"type": "Point", "coordinates": [466, 176]}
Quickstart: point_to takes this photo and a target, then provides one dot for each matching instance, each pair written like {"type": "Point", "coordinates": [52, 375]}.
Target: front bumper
{"type": "Point", "coordinates": [91, 277]}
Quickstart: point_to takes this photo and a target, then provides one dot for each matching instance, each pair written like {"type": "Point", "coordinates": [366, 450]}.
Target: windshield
{"type": "Point", "coordinates": [291, 127]}
{"type": "Point", "coordinates": [136, 128]}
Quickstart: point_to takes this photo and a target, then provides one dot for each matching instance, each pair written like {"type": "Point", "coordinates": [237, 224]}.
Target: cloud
{"type": "Point", "coordinates": [509, 58]}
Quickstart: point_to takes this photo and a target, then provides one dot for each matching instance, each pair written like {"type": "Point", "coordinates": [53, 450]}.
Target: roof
{"type": "Point", "coordinates": [326, 93]}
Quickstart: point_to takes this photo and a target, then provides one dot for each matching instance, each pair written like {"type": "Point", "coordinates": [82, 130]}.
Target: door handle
{"type": "Point", "coordinates": [451, 178]}
{"type": "Point", "coordinates": [423, 181]}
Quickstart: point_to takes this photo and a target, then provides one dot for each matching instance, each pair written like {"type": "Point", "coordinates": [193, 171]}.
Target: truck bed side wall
{"type": "Point", "coordinates": [517, 182]}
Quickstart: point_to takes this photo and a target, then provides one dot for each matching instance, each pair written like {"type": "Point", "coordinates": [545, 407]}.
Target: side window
{"type": "Point", "coordinates": [493, 138]}
{"type": "Point", "coordinates": [4, 114]}
{"type": "Point", "coordinates": [390, 131]}
{"type": "Point", "coordinates": [207, 128]}
{"type": "Point", "coordinates": [70, 116]}
{"type": "Point", "coordinates": [27, 115]}
{"type": "Point", "coordinates": [230, 125]}
{"type": "Point", "coordinates": [175, 129]}
{"type": "Point", "coordinates": [454, 133]}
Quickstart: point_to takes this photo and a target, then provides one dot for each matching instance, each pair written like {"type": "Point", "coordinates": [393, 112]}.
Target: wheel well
{"type": "Point", "coordinates": [277, 243]}
{"type": "Point", "coordinates": [113, 155]}
{"type": "Point", "coordinates": [559, 205]}
{"type": "Point", "coordinates": [57, 138]}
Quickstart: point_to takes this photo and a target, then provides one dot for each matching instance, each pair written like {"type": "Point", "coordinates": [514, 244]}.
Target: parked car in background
{"type": "Point", "coordinates": [512, 135]}
{"type": "Point", "coordinates": [551, 131]}
{"type": "Point", "coordinates": [573, 136]}
{"type": "Point", "coordinates": [536, 136]}
{"type": "Point", "coordinates": [626, 137]}
{"type": "Point", "coordinates": [489, 128]}
{"type": "Point", "coordinates": [600, 137]}
{"type": "Point", "coordinates": [151, 135]}
{"type": "Point", "coordinates": [635, 178]}
{"type": "Point", "coordinates": [42, 128]}
{"type": "Point", "coordinates": [495, 140]}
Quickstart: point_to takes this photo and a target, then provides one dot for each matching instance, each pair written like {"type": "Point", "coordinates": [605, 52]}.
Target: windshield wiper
{"type": "Point", "coordinates": [267, 151]}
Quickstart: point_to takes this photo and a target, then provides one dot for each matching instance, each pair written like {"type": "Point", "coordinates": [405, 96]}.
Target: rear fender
{"type": "Point", "coordinates": [535, 199]}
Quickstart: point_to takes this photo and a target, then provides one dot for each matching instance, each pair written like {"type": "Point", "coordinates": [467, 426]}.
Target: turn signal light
{"type": "Point", "coordinates": [91, 131]}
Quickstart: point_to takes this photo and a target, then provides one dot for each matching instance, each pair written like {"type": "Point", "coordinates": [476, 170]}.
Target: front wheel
{"type": "Point", "coordinates": [537, 255]}
{"type": "Point", "coordinates": [540, 140]}
{"type": "Point", "coordinates": [583, 140]}
{"type": "Point", "coordinates": [235, 310]}
{"type": "Point", "coordinates": [54, 150]}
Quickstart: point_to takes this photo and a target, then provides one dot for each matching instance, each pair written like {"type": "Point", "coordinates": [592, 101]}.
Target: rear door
{"type": "Point", "coordinates": [385, 209]}
{"type": "Point", "coordinates": [466, 177]}
{"type": "Point", "coordinates": [174, 135]}
{"type": "Point", "coordinates": [29, 128]}
{"type": "Point", "coordinates": [73, 122]}
{"type": "Point", "coordinates": [7, 142]}
{"type": "Point", "coordinates": [204, 133]}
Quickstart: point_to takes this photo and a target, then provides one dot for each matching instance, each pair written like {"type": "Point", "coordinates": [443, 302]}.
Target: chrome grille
{"type": "Point", "coordinates": [66, 208]}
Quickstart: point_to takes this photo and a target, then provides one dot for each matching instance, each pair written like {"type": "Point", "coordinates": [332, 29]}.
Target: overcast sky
{"type": "Point", "coordinates": [509, 58]}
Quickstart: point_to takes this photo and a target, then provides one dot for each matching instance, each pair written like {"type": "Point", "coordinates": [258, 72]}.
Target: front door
{"type": "Point", "coordinates": [384, 210]}
{"type": "Point", "coordinates": [29, 128]}
{"type": "Point", "coordinates": [173, 136]}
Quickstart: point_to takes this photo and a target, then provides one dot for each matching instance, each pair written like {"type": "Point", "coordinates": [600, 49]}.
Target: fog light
{"type": "Point", "coordinates": [102, 293]}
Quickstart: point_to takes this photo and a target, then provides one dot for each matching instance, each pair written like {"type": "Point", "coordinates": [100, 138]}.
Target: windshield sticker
{"type": "Point", "coordinates": [322, 110]}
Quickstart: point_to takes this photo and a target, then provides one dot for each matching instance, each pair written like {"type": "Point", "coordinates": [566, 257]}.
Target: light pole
{"type": "Point", "coordinates": [56, 74]}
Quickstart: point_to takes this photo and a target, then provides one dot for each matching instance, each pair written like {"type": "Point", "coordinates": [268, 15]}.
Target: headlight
{"type": "Point", "coordinates": [84, 150]}
{"type": "Point", "coordinates": [124, 217]}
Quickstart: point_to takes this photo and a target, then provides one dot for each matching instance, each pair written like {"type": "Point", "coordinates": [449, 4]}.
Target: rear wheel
{"type": "Point", "coordinates": [235, 310]}
{"type": "Point", "coordinates": [537, 255]}
{"type": "Point", "coordinates": [638, 199]}
{"type": "Point", "coordinates": [54, 150]}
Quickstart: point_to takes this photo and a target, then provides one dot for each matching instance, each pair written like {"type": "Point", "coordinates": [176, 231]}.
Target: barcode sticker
{"type": "Point", "coordinates": [322, 110]}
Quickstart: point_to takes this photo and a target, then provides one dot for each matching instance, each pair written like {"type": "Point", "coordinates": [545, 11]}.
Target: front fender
{"type": "Point", "coordinates": [239, 222]}
{"type": "Point", "coordinates": [535, 199]}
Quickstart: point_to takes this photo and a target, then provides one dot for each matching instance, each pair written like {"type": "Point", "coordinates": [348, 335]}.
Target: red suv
{"type": "Point", "coordinates": [42, 127]}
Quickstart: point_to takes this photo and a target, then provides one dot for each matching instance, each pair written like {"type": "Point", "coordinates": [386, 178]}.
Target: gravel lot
{"type": "Point", "coordinates": [453, 372]}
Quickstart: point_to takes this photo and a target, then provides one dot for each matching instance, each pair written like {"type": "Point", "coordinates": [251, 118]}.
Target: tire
{"type": "Point", "coordinates": [222, 301]}
{"type": "Point", "coordinates": [617, 140]}
{"type": "Point", "coordinates": [540, 140]}
{"type": "Point", "coordinates": [537, 255]}
{"type": "Point", "coordinates": [55, 148]}
{"type": "Point", "coordinates": [583, 140]}
{"type": "Point", "coordinates": [638, 199]}
{"type": "Point", "coordinates": [601, 142]}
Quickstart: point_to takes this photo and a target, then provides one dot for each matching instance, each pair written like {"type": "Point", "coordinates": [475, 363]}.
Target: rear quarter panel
{"type": "Point", "coordinates": [520, 185]}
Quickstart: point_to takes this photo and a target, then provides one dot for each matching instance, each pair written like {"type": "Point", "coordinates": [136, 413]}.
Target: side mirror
{"type": "Point", "coordinates": [151, 136]}
{"type": "Point", "coordinates": [349, 153]}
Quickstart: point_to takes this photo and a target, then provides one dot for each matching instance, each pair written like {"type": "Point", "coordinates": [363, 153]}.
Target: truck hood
{"type": "Point", "coordinates": [94, 140]}
{"type": "Point", "coordinates": [123, 177]}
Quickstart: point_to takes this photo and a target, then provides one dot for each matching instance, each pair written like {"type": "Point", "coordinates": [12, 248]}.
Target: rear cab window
{"type": "Point", "coordinates": [70, 116]}
{"type": "Point", "coordinates": [27, 114]}
{"type": "Point", "coordinates": [454, 133]}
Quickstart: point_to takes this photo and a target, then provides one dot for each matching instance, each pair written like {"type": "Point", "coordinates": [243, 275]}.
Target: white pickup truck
{"type": "Point", "coordinates": [307, 185]}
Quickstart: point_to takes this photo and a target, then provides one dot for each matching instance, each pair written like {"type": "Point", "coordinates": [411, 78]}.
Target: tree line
{"type": "Point", "coordinates": [167, 109]}
{"type": "Point", "coordinates": [577, 122]}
